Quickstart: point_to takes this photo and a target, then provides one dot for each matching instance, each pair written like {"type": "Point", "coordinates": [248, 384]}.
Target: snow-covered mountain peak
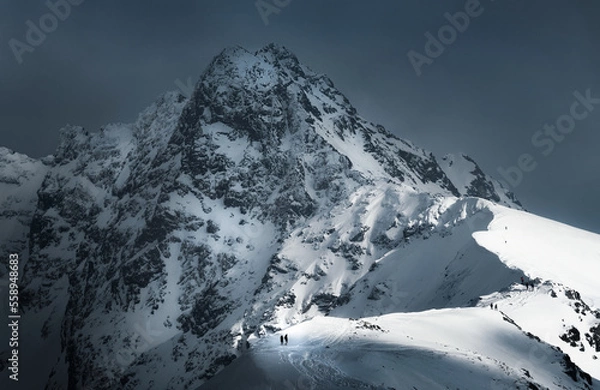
{"type": "Point", "coordinates": [269, 97]}
{"type": "Point", "coordinates": [272, 64]}
{"type": "Point", "coordinates": [162, 249]}
{"type": "Point", "coordinates": [280, 55]}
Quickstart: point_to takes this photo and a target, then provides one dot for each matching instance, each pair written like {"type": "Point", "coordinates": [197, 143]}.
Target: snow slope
{"type": "Point", "coordinates": [472, 348]}
{"type": "Point", "coordinates": [457, 265]}
{"type": "Point", "coordinates": [553, 313]}
{"type": "Point", "coordinates": [568, 260]}
{"type": "Point", "coordinates": [545, 249]}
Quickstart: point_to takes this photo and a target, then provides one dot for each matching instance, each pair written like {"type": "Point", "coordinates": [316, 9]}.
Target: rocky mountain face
{"type": "Point", "coordinates": [153, 250]}
{"type": "Point", "coordinates": [464, 172]}
{"type": "Point", "coordinates": [20, 178]}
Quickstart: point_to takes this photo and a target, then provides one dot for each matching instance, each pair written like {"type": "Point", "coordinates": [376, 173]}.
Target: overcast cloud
{"type": "Point", "coordinates": [514, 69]}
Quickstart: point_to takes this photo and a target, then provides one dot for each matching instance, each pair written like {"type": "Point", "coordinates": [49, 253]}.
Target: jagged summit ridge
{"type": "Point", "coordinates": [268, 96]}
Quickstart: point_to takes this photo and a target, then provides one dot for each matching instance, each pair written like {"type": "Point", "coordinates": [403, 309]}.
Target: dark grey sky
{"type": "Point", "coordinates": [514, 68]}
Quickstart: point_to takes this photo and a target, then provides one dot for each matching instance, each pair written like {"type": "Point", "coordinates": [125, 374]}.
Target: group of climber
{"type": "Point", "coordinates": [528, 284]}
{"type": "Point", "coordinates": [283, 338]}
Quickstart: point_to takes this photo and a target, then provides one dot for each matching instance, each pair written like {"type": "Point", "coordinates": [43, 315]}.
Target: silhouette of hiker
{"type": "Point", "coordinates": [281, 339]}
{"type": "Point", "coordinates": [496, 307]}
{"type": "Point", "coordinates": [286, 339]}
{"type": "Point", "coordinates": [492, 306]}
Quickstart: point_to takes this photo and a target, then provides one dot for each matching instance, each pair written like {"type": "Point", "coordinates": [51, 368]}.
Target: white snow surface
{"type": "Point", "coordinates": [473, 348]}
{"type": "Point", "coordinates": [427, 343]}
{"type": "Point", "coordinates": [545, 249]}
